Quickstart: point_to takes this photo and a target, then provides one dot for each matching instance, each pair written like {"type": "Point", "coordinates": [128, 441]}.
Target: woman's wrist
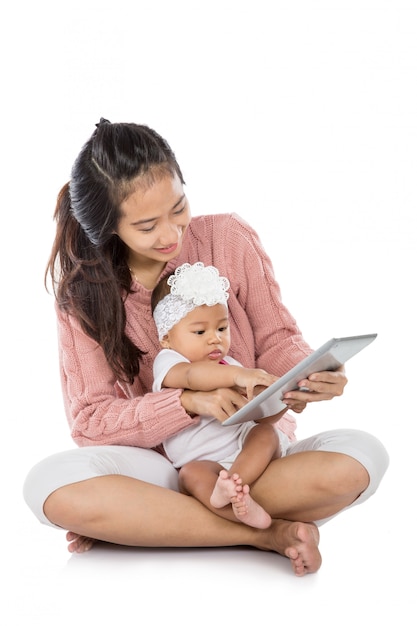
{"type": "Point", "coordinates": [186, 403]}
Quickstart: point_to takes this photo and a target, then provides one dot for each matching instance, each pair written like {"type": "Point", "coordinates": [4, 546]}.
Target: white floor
{"type": "Point", "coordinates": [301, 117]}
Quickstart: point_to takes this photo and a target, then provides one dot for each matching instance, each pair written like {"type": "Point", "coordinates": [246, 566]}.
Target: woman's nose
{"type": "Point", "coordinates": [168, 233]}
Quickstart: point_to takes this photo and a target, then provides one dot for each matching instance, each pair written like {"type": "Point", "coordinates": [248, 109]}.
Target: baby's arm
{"type": "Point", "coordinates": [207, 376]}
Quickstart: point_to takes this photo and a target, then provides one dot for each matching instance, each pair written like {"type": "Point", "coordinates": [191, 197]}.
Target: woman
{"type": "Point", "coordinates": [123, 222]}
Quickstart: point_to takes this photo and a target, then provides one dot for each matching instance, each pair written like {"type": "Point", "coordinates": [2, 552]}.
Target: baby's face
{"type": "Point", "coordinates": [202, 335]}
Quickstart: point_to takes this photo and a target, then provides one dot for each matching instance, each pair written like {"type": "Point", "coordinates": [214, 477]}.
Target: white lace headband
{"type": "Point", "coordinates": [191, 286]}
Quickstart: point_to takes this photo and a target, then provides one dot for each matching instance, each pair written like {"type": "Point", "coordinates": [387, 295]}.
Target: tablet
{"type": "Point", "coordinates": [330, 356]}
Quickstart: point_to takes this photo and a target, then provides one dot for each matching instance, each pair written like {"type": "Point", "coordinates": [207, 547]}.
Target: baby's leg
{"type": "Point", "coordinates": [211, 484]}
{"type": "Point", "coordinates": [200, 479]}
{"type": "Point", "coordinates": [261, 445]}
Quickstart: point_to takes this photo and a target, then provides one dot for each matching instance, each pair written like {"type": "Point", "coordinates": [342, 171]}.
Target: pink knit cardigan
{"type": "Point", "coordinates": [101, 410]}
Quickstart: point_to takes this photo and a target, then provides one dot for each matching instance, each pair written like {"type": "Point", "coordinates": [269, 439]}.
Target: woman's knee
{"type": "Point", "coordinates": [350, 477]}
{"type": "Point", "coordinates": [367, 458]}
{"type": "Point", "coordinates": [50, 489]}
{"type": "Point", "coordinates": [369, 451]}
{"type": "Point", "coordinates": [59, 507]}
{"type": "Point", "coordinates": [365, 448]}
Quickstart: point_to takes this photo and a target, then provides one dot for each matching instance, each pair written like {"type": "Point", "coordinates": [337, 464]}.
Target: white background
{"type": "Point", "coordinates": [301, 117]}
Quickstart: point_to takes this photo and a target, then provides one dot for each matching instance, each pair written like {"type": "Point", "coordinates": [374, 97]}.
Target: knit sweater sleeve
{"type": "Point", "coordinates": [98, 411]}
{"type": "Point", "coordinates": [278, 341]}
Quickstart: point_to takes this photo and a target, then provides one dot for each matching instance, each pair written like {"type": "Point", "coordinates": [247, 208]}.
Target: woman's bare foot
{"type": "Point", "coordinates": [79, 543]}
{"type": "Point", "coordinates": [248, 511]}
{"type": "Point", "coordinates": [225, 489]}
{"type": "Point", "coordinates": [299, 542]}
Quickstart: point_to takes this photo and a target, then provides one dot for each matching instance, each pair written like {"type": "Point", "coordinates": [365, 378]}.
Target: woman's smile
{"type": "Point", "coordinates": [168, 249]}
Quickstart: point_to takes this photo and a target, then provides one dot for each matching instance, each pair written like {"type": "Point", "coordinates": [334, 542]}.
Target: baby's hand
{"type": "Point", "coordinates": [250, 378]}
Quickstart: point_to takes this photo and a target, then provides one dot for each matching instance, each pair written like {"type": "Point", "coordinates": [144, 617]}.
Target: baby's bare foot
{"type": "Point", "coordinates": [248, 511]}
{"type": "Point", "coordinates": [225, 489]}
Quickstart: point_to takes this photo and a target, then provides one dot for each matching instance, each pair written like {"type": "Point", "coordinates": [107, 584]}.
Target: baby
{"type": "Point", "coordinates": [217, 463]}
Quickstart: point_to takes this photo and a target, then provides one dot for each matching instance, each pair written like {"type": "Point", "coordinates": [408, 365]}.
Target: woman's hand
{"type": "Point", "coordinates": [295, 405]}
{"type": "Point", "coordinates": [221, 403]}
{"type": "Point", "coordinates": [318, 386]}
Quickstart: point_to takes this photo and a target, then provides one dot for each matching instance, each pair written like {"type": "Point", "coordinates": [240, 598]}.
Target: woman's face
{"type": "Point", "coordinates": [154, 220]}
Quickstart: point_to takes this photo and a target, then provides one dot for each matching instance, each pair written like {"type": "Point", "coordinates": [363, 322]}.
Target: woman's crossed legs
{"type": "Point", "coordinates": [115, 500]}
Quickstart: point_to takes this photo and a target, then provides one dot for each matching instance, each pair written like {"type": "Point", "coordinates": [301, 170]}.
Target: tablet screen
{"type": "Point", "coordinates": [330, 356]}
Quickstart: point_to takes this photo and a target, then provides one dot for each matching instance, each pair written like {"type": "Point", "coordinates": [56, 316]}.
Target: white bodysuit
{"type": "Point", "coordinates": [206, 440]}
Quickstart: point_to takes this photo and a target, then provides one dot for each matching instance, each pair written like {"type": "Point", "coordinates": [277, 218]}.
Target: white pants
{"type": "Point", "coordinates": [80, 464]}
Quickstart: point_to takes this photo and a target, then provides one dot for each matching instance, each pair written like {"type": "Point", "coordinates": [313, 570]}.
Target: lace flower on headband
{"type": "Point", "coordinates": [191, 286]}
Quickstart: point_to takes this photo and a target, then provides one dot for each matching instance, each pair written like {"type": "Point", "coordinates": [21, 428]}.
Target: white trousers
{"type": "Point", "coordinates": [80, 464]}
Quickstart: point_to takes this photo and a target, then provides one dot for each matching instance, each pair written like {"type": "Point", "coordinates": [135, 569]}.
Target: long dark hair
{"type": "Point", "coordinates": [88, 263]}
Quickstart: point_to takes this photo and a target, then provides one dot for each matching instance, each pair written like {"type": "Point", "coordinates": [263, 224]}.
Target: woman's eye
{"type": "Point", "coordinates": [181, 210]}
